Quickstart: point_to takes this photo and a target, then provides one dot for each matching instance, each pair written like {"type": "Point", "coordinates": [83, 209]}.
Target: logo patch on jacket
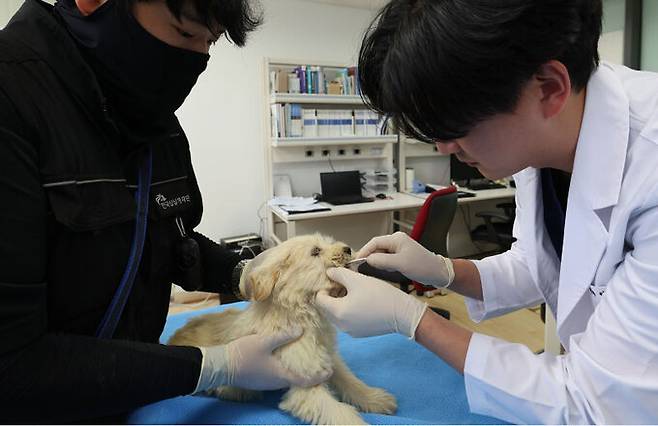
{"type": "Point", "coordinates": [171, 198]}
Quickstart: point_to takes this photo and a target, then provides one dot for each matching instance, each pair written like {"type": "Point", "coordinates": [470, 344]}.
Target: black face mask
{"type": "Point", "coordinates": [144, 79]}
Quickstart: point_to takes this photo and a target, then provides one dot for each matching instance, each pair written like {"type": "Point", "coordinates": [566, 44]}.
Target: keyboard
{"type": "Point", "coordinates": [348, 200]}
{"type": "Point", "coordinates": [464, 194]}
{"type": "Point", "coordinates": [485, 185]}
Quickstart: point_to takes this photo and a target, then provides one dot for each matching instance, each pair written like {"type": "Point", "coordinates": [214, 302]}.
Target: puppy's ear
{"type": "Point", "coordinates": [260, 282]}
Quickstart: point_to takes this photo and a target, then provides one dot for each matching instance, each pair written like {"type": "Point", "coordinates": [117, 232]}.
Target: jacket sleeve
{"type": "Point", "coordinates": [507, 284]}
{"type": "Point", "coordinates": [218, 264]}
{"type": "Point", "coordinates": [216, 261]}
{"type": "Point", "coordinates": [610, 374]}
{"type": "Point", "coordinates": [48, 377]}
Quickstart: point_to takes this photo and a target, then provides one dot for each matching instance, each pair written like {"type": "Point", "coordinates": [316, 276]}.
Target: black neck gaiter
{"type": "Point", "coordinates": [144, 79]}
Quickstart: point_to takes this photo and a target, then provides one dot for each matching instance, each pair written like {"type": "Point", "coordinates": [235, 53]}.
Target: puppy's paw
{"type": "Point", "coordinates": [376, 400]}
{"type": "Point", "coordinates": [231, 393]}
{"type": "Point", "coordinates": [335, 413]}
{"type": "Point", "coordinates": [341, 415]}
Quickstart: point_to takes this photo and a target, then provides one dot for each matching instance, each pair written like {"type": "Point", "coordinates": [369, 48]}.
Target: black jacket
{"type": "Point", "coordinates": [67, 209]}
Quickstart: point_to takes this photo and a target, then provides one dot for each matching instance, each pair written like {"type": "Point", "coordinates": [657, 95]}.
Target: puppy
{"type": "Point", "coordinates": [282, 292]}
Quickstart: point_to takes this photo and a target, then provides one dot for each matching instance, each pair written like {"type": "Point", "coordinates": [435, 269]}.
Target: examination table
{"type": "Point", "coordinates": [427, 389]}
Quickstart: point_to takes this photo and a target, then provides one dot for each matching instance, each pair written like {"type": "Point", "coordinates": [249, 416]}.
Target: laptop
{"type": "Point", "coordinates": [342, 188]}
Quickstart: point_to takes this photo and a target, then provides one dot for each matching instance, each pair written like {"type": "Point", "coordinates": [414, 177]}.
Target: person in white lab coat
{"type": "Point", "coordinates": [516, 88]}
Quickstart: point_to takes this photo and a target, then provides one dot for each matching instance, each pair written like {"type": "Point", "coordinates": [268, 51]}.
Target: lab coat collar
{"type": "Point", "coordinates": [602, 143]}
{"type": "Point", "coordinates": [595, 188]}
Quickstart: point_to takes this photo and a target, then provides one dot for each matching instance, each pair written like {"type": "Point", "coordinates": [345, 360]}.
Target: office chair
{"type": "Point", "coordinates": [497, 227]}
{"type": "Point", "coordinates": [432, 225]}
{"type": "Point", "coordinates": [431, 231]}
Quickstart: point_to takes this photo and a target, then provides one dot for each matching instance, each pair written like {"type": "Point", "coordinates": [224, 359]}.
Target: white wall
{"type": "Point", "coordinates": [611, 43]}
{"type": "Point", "coordinates": [224, 118]}
{"type": "Point", "coordinates": [7, 10]}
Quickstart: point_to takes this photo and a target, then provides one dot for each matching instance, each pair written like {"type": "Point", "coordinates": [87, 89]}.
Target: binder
{"type": "Point", "coordinates": [324, 123]}
{"type": "Point", "coordinates": [347, 123]}
{"type": "Point", "coordinates": [310, 123]}
{"type": "Point", "coordinates": [361, 122]}
{"type": "Point", "coordinates": [295, 121]}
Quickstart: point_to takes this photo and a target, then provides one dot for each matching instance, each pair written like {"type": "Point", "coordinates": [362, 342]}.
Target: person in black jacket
{"type": "Point", "coordinates": [99, 202]}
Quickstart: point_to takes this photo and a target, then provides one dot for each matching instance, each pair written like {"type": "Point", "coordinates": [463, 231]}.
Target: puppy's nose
{"type": "Point", "coordinates": [347, 250]}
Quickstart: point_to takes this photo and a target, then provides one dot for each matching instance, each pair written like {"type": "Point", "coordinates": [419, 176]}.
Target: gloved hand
{"type": "Point", "coordinates": [398, 252]}
{"type": "Point", "coordinates": [248, 363]}
{"type": "Point", "coordinates": [371, 307]}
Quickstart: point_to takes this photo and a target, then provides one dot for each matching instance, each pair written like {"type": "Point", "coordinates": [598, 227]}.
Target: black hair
{"type": "Point", "coordinates": [236, 17]}
{"type": "Point", "coordinates": [437, 68]}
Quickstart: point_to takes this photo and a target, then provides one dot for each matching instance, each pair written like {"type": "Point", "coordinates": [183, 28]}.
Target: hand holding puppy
{"type": "Point", "coordinates": [371, 307]}
{"type": "Point", "coordinates": [248, 363]}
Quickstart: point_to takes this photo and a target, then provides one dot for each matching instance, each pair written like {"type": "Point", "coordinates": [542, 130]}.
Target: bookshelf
{"type": "Point", "coordinates": [350, 140]}
{"type": "Point", "coordinates": [426, 160]}
{"type": "Point", "coordinates": [320, 99]}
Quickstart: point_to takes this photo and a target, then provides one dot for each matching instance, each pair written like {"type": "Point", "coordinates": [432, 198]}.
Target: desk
{"type": "Point", "coordinates": [481, 195]}
{"type": "Point", "coordinates": [356, 224]}
{"type": "Point", "coordinates": [427, 389]}
{"type": "Point", "coordinates": [361, 215]}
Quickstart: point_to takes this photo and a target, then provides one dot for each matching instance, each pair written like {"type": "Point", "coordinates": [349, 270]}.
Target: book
{"type": "Point", "coordinates": [372, 126]}
{"type": "Point", "coordinates": [361, 122]}
{"type": "Point", "coordinates": [324, 123]}
{"type": "Point", "coordinates": [347, 123]}
{"type": "Point", "coordinates": [295, 121]}
{"type": "Point", "coordinates": [310, 123]}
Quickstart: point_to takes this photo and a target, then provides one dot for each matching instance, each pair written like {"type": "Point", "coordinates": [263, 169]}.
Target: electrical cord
{"type": "Point", "coordinates": [331, 164]}
{"type": "Point", "coordinates": [261, 219]}
{"type": "Point", "coordinates": [248, 248]}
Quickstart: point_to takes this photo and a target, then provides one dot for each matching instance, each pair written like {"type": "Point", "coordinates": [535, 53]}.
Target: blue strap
{"type": "Point", "coordinates": [109, 323]}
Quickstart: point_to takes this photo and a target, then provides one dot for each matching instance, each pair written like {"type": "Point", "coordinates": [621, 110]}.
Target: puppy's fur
{"type": "Point", "coordinates": [282, 291]}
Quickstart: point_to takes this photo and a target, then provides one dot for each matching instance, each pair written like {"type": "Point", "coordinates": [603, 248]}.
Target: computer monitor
{"type": "Point", "coordinates": [338, 185]}
{"type": "Point", "coordinates": [463, 172]}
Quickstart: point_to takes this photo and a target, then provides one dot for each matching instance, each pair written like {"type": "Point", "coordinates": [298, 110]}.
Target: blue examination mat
{"type": "Point", "coordinates": [427, 389]}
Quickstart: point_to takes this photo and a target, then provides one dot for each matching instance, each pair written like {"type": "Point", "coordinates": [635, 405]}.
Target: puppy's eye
{"type": "Point", "coordinates": [316, 251]}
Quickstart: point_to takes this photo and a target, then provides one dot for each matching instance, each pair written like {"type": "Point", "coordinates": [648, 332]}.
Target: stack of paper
{"type": "Point", "coordinates": [297, 204]}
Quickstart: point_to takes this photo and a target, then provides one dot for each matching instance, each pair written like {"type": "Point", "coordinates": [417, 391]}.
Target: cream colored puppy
{"type": "Point", "coordinates": [282, 290]}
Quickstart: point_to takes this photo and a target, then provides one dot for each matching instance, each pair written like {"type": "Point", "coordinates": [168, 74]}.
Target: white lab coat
{"type": "Point", "coordinates": [605, 291]}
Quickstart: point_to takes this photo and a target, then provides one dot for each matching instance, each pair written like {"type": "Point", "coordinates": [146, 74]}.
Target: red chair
{"type": "Point", "coordinates": [431, 231]}
{"type": "Point", "coordinates": [432, 225]}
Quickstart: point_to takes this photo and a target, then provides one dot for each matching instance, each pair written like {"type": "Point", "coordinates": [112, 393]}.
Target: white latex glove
{"type": "Point", "coordinates": [371, 307]}
{"type": "Point", "coordinates": [398, 252]}
{"type": "Point", "coordinates": [248, 363]}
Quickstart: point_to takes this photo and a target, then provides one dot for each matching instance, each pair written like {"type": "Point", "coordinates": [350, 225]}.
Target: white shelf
{"type": "Point", "coordinates": [303, 98]}
{"type": "Point", "coordinates": [423, 155]}
{"type": "Point", "coordinates": [344, 140]}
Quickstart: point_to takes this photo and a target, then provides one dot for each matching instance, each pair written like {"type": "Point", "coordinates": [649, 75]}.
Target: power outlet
{"type": "Point", "coordinates": [356, 151]}
{"type": "Point", "coordinates": [326, 152]}
{"type": "Point", "coordinates": [308, 153]}
{"type": "Point", "coordinates": [341, 152]}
